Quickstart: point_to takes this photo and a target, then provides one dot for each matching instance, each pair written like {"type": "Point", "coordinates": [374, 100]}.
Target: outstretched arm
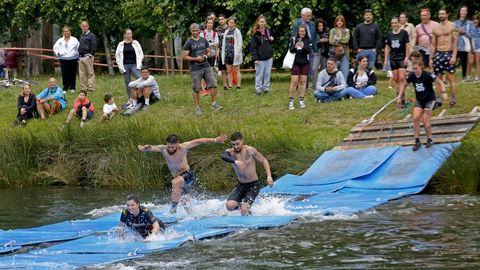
{"type": "Point", "coordinates": [260, 158]}
{"type": "Point", "coordinates": [193, 143]}
{"type": "Point", "coordinates": [150, 148]}
{"type": "Point", "coordinates": [121, 230]}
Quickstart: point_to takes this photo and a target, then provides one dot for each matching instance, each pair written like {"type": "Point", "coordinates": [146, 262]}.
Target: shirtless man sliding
{"type": "Point", "coordinates": [175, 154]}
{"type": "Point", "coordinates": [242, 157]}
{"type": "Point", "coordinates": [444, 54]}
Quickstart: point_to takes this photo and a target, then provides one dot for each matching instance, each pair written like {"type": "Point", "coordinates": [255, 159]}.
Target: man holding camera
{"type": "Point", "coordinates": [331, 85]}
{"type": "Point", "coordinates": [196, 50]}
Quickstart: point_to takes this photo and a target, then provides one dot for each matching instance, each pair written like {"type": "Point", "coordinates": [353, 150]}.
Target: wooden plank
{"type": "Point", "coordinates": [402, 133]}
{"type": "Point", "coordinates": [402, 143]}
{"type": "Point", "coordinates": [401, 139]}
{"type": "Point", "coordinates": [435, 122]}
{"type": "Point", "coordinates": [454, 116]}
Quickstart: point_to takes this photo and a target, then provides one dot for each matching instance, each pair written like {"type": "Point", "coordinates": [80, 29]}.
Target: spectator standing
{"type": "Point", "coordinates": [82, 108]}
{"type": "Point", "coordinates": [331, 85]}
{"type": "Point", "coordinates": [323, 44]}
{"type": "Point", "coordinates": [66, 48]}
{"type": "Point", "coordinates": [221, 29]}
{"type": "Point", "coordinates": [2, 61]}
{"type": "Point", "coordinates": [424, 35]}
{"type": "Point", "coordinates": [306, 21]}
{"type": "Point", "coordinates": [476, 44]}
{"type": "Point", "coordinates": [211, 36]}
{"type": "Point", "coordinates": [465, 30]}
{"type": "Point", "coordinates": [232, 52]}
{"type": "Point", "coordinates": [51, 99]}
{"type": "Point", "coordinates": [129, 57]}
{"type": "Point", "coordinates": [301, 46]}
{"type": "Point", "coordinates": [397, 51]}
{"type": "Point", "coordinates": [196, 50]}
{"type": "Point", "coordinates": [26, 105]}
{"type": "Point", "coordinates": [262, 55]}
{"type": "Point", "coordinates": [405, 25]}
{"type": "Point", "coordinates": [340, 36]}
{"type": "Point", "coordinates": [361, 80]}
{"type": "Point", "coordinates": [367, 38]}
{"type": "Point", "coordinates": [10, 64]}
{"type": "Point", "coordinates": [86, 50]}
{"type": "Point", "coordinates": [444, 54]}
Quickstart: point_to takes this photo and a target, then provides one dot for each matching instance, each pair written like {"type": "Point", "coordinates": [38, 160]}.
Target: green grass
{"type": "Point", "coordinates": [105, 155]}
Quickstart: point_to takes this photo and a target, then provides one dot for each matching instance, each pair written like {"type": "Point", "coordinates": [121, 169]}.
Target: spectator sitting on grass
{"type": "Point", "coordinates": [27, 106]}
{"type": "Point", "coordinates": [110, 109]}
{"type": "Point", "coordinates": [82, 107]}
{"type": "Point", "coordinates": [361, 80]}
{"type": "Point", "coordinates": [145, 91]}
{"type": "Point", "coordinates": [51, 99]}
{"type": "Point", "coordinates": [330, 84]}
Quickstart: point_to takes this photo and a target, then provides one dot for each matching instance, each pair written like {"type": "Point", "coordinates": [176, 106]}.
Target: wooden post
{"type": "Point", "coordinates": [166, 58]}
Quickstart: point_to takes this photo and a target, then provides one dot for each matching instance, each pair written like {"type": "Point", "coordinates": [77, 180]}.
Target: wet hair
{"type": "Point", "coordinates": [458, 13]}
{"type": "Point", "coordinates": [172, 138]}
{"type": "Point", "coordinates": [236, 136]}
{"type": "Point", "coordinates": [322, 21]}
{"type": "Point", "coordinates": [133, 197]}
{"type": "Point", "coordinates": [83, 91]}
{"type": "Point", "coordinates": [107, 98]}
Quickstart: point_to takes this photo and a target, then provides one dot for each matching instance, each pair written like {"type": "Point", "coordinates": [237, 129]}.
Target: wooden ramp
{"type": "Point", "coordinates": [445, 129]}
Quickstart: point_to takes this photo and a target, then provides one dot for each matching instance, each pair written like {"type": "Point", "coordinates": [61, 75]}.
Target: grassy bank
{"type": "Point", "coordinates": [105, 155]}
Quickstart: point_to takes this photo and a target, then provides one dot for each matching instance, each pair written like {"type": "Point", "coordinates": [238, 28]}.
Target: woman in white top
{"type": "Point", "coordinates": [212, 37]}
{"type": "Point", "coordinates": [66, 49]}
{"type": "Point", "coordinates": [232, 54]}
{"type": "Point", "coordinates": [361, 80]}
{"type": "Point", "coordinates": [129, 57]}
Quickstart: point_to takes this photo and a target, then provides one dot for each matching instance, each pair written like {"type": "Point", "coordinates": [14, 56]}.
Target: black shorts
{"type": "Point", "coordinates": [396, 63]}
{"type": "Point", "coordinates": [245, 193]}
{"type": "Point", "coordinates": [189, 181]}
{"type": "Point", "coordinates": [153, 99]}
{"type": "Point", "coordinates": [429, 105]}
{"type": "Point", "coordinates": [211, 61]}
{"type": "Point", "coordinates": [229, 59]}
{"type": "Point", "coordinates": [220, 64]}
{"type": "Point", "coordinates": [426, 58]}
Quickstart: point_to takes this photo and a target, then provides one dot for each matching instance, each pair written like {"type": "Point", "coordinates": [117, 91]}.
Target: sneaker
{"type": "Point", "coordinates": [302, 103]}
{"type": "Point", "coordinates": [72, 90]}
{"type": "Point", "coordinates": [429, 143]}
{"type": "Point", "coordinates": [258, 93]}
{"type": "Point", "coordinates": [452, 103]}
{"type": "Point", "coordinates": [225, 88]}
{"type": "Point", "coordinates": [198, 111]}
{"type": "Point", "coordinates": [416, 146]}
{"type": "Point", "coordinates": [266, 93]}
{"type": "Point", "coordinates": [369, 96]}
{"type": "Point", "coordinates": [477, 79]}
{"type": "Point", "coordinates": [468, 79]}
{"type": "Point", "coordinates": [291, 106]}
{"type": "Point", "coordinates": [215, 106]}
{"type": "Point", "coordinates": [23, 124]}
{"type": "Point", "coordinates": [132, 110]}
{"type": "Point", "coordinates": [145, 108]}
{"type": "Point", "coordinates": [82, 124]}
{"type": "Point", "coordinates": [238, 88]}
{"type": "Point", "coordinates": [126, 106]}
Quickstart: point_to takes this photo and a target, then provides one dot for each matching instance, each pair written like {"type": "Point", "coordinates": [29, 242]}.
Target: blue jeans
{"type": "Point", "coordinates": [362, 93]}
{"type": "Point", "coordinates": [263, 70]}
{"type": "Point", "coordinates": [1, 71]}
{"type": "Point", "coordinates": [318, 61]}
{"type": "Point", "coordinates": [130, 69]}
{"type": "Point", "coordinates": [344, 66]}
{"type": "Point", "coordinates": [325, 97]}
{"type": "Point", "coordinates": [371, 54]}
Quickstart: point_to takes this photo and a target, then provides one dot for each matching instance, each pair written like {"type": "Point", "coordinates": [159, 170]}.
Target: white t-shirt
{"type": "Point", "coordinates": [107, 108]}
{"type": "Point", "coordinates": [362, 79]}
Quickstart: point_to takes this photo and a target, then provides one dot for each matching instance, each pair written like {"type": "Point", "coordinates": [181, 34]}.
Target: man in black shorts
{"type": "Point", "coordinates": [397, 50]}
{"type": "Point", "coordinates": [139, 219]}
{"type": "Point", "coordinates": [175, 154]}
{"type": "Point", "coordinates": [422, 82]}
{"type": "Point", "coordinates": [197, 51]}
{"type": "Point", "coordinates": [242, 157]}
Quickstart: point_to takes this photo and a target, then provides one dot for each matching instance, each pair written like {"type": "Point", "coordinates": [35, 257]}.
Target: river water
{"type": "Point", "coordinates": [417, 232]}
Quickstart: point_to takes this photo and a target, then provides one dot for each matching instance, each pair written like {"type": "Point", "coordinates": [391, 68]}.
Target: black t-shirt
{"type": "Point", "coordinates": [129, 56]}
{"type": "Point", "coordinates": [423, 86]}
{"type": "Point", "coordinates": [397, 43]}
{"type": "Point", "coordinates": [221, 32]}
{"type": "Point", "coordinates": [197, 48]}
{"type": "Point", "coordinates": [142, 223]}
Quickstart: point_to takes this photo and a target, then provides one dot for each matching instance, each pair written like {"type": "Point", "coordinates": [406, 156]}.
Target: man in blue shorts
{"type": "Point", "coordinates": [175, 155]}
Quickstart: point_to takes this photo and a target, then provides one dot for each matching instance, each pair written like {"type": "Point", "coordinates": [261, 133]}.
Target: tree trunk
{"type": "Point", "coordinates": [33, 62]}
{"type": "Point", "coordinates": [170, 50]}
{"type": "Point", "coordinates": [47, 43]}
{"type": "Point", "coordinates": [108, 53]}
{"type": "Point", "coordinates": [157, 49]}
